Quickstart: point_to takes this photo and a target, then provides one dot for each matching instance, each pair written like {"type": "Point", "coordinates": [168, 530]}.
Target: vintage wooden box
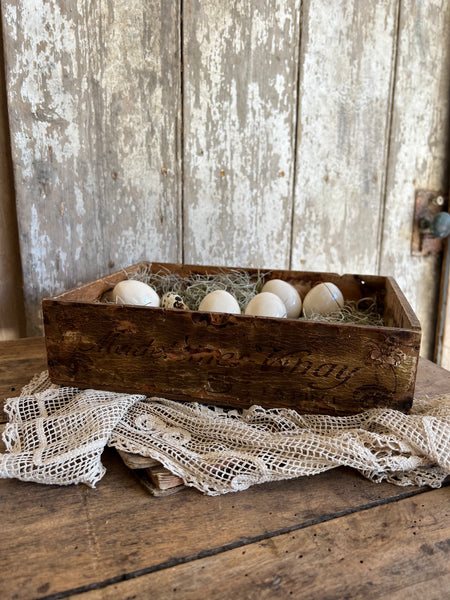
{"type": "Point", "coordinates": [237, 360]}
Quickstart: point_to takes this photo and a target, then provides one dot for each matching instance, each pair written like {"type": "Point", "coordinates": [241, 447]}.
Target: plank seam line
{"type": "Point", "coordinates": [388, 140]}
{"type": "Point", "coordinates": [243, 542]}
{"type": "Point", "coordinates": [296, 132]}
{"type": "Point", "coordinates": [181, 139]}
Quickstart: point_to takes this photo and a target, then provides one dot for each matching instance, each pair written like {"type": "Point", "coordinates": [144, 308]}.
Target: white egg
{"type": "Point", "coordinates": [288, 295]}
{"type": "Point", "coordinates": [138, 293]}
{"type": "Point", "coordinates": [323, 299]}
{"type": "Point", "coordinates": [173, 300]}
{"type": "Point", "coordinates": [220, 301]}
{"type": "Point", "coordinates": [266, 304]}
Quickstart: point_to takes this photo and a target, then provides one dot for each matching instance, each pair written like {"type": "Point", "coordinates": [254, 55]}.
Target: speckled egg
{"type": "Point", "coordinates": [173, 300]}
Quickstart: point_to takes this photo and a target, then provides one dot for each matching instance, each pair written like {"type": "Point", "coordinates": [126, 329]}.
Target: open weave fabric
{"type": "Point", "coordinates": [56, 435]}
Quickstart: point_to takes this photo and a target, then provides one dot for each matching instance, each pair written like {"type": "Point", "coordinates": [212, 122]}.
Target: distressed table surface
{"type": "Point", "coordinates": [334, 535]}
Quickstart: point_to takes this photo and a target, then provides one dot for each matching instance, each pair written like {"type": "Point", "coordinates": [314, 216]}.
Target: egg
{"type": "Point", "coordinates": [266, 304]}
{"type": "Point", "coordinates": [323, 299]}
{"type": "Point", "coordinates": [220, 301]}
{"type": "Point", "coordinates": [287, 293]}
{"type": "Point", "coordinates": [173, 300]}
{"type": "Point", "coordinates": [138, 293]}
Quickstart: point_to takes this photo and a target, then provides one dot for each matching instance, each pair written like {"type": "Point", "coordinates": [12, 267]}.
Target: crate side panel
{"type": "Point", "coordinates": [398, 312]}
{"type": "Point", "coordinates": [230, 360]}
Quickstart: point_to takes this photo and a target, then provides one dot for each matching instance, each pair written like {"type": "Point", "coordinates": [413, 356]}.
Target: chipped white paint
{"type": "Point", "coordinates": [94, 105]}
{"type": "Point", "coordinates": [346, 69]}
{"type": "Point", "coordinates": [418, 155]}
{"type": "Point", "coordinates": [95, 109]}
{"type": "Point", "coordinates": [240, 91]}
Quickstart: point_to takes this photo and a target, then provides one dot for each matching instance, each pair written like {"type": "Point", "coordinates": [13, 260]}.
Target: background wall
{"type": "Point", "coordinates": [12, 317]}
{"type": "Point", "coordinates": [284, 134]}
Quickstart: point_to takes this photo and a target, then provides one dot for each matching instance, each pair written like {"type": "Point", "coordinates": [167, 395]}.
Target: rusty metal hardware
{"type": "Point", "coordinates": [431, 223]}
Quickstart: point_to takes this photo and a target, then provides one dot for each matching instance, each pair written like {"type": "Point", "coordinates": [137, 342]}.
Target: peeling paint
{"type": "Point", "coordinates": [418, 156]}
{"type": "Point", "coordinates": [242, 117]}
{"type": "Point", "coordinates": [346, 74]}
{"type": "Point", "coordinates": [96, 123]}
{"type": "Point", "coordinates": [92, 90]}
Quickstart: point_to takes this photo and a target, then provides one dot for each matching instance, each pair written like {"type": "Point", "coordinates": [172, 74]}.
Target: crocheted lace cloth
{"type": "Point", "coordinates": [56, 435]}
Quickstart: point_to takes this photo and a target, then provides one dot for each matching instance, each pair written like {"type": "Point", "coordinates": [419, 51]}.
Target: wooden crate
{"type": "Point", "coordinates": [237, 360]}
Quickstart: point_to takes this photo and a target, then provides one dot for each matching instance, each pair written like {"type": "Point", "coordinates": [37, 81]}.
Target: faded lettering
{"type": "Point", "coordinates": [318, 375]}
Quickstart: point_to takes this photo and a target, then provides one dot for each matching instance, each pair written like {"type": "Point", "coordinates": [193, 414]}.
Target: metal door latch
{"type": "Point", "coordinates": [431, 223]}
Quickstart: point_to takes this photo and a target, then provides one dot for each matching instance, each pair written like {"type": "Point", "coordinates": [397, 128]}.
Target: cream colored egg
{"type": "Point", "coordinates": [134, 292]}
{"type": "Point", "coordinates": [323, 299]}
{"type": "Point", "coordinates": [220, 301]}
{"type": "Point", "coordinates": [173, 300]}
{"type": "Point", "coordinates": [288, 295]}
{"type": "Point", "coordinates": [266, 304]}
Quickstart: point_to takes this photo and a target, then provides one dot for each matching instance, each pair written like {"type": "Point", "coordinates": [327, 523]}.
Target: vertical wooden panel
{"type": "Point", "coordinates": [442, 343]}
{"type": "Point", "coordinates": [418, 156]}
{"type": "Point", "coordinates": [95, 109]}
{"type": "Point", "coordinates": [94, 97]}
{"type": "Point", "coordinates": [12, 318]}
{"type": "Point", "coordinates": [240, 81]}
{"type": "Point", "coordinates": [346, 70]}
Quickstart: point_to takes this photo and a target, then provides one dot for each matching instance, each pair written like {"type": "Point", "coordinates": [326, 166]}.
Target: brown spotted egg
{"type": "Point", "coordinates": [173, 300]}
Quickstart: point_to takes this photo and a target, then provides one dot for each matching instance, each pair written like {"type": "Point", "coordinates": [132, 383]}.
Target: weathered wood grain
{"type": "Point", "coordinates": [12, 316]}
{"type": "Point", "coordinates": [346, 64]}
{"type": "Point", "coordinates": [65, 538]}
{"type": "Point", "coordinates": [20, 360]}
{"type": "Point", "coordinates": [111, 104]}
{"type": "Point", "coordinates": [442, 344]}
{"type": "Point", "coordinates": [431, 379]}
{"type": "Point", "coordinates": [94, 102]}
{"type": "Point", "coordinates": [237, 360]}
{"type": "Point", "coordinates": [70, 538]}
{"type": "Point", "coordinates": [356, 556]}
{"type": "Point", "coordinates": [240, 82]}
{"type": "Point", "coordinates": [418, 150]}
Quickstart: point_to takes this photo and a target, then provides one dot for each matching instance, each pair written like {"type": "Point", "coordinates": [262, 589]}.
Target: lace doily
{"type": "Point", "coordinates": [56, 435]}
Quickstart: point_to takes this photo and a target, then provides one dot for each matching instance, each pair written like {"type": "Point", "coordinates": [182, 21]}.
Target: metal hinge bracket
{"type": "Point", "coordinates": [428, 204]}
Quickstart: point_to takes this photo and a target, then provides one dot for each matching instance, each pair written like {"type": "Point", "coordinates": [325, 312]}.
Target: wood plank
{"type": "Point", "coordinates": [392, 551]}
{"type": "Point", "coordinates": [418, 152]}
{"type": "Point", "coordinates": [20, 360]}
{"type": "Point", "coordinates": [442, 342]}
{"type": "Point", "coordinates": [240, 82]}
{"type": "Point", "coordinates": [346, 71]}
{"type": "Point", "coordinates": [12, 314]}
{"type": "Point", "coordinates": [431, 379]}
{"type": "Point", "coordinates": [94, 102]}
{"type": "Point", "coordinates": [118, 529]}
{"type": "Point", "coordinates": [135, 461]}
{"type": "Point", "coordinates": [163, 479]}
{"type": "Point", "coordinates": [228, 359]}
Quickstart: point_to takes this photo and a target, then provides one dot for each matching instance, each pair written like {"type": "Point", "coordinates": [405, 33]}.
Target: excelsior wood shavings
{"type": "Point", "coordinates": [193, 289]}
{"type": "Point", "coordinates": [244, 287]}
{"type": "Point", "coordinates": [353, 313]}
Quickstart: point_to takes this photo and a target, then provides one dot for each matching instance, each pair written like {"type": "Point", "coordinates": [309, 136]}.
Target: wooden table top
{"type": "Point", "coordinates": [331, 536]}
